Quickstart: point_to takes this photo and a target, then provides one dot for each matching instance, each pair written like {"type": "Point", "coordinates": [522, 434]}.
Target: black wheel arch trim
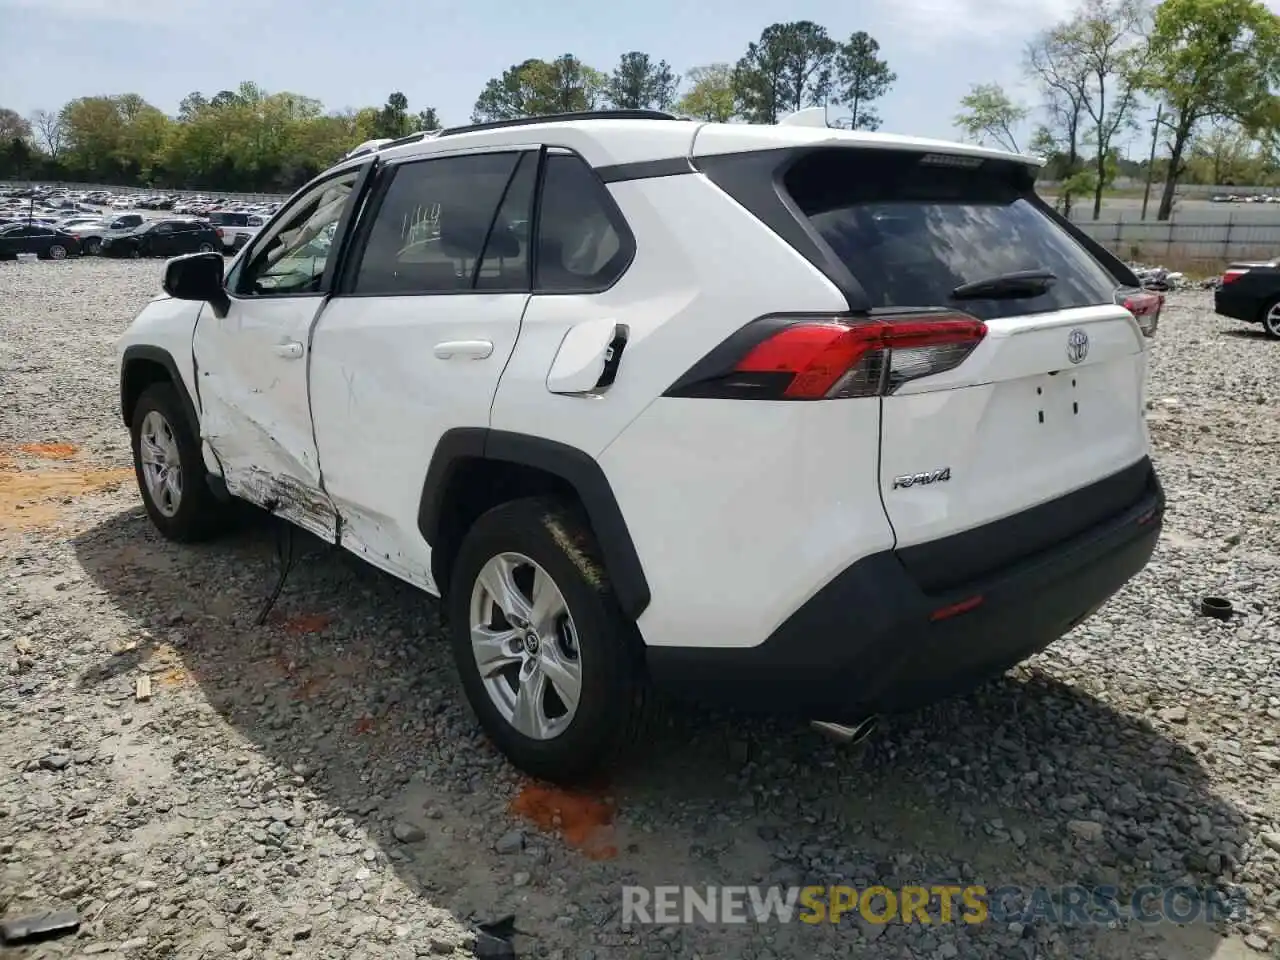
{"type": "Point", "coordinates": [578, 469]}
{"type": "Point", "coordinates": [151, 354]}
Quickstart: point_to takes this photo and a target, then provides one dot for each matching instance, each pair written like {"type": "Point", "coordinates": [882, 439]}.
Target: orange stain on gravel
{"type": "Point", "coordinates": [307, 623]}
{"type": "Point", "coordinates": [583, 821]}
{"type": "Point", "coordinates": [50, 451]}
{"type": "Point", "coordinates": [32, 498]}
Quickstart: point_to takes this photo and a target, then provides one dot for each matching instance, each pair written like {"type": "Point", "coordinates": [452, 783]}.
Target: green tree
{"type": "Point", "coordinates": [13, 126]}
{"type": "Point", "coordinates": [428, 119]}
{"type": "Point", "coordinates": [1211, 60]}
{"type": "Point", "coordinates": [638, 83]}
{"type": "Point", "coordinates": [861, 78]}
{"type": "Point", "coordinates": [988, 114]}
{"type": "Point", "coordinates": [393, 121]}
{"type": "Point", "coordinates": [538, 87]}
{"type": "Point", "coordinates": [710, 95]}
{"type": "Point", "coordinates": [789, 68]}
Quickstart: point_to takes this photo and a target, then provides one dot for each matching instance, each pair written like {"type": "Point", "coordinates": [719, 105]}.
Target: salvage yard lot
{"type": "Point", "coordinates": [315, 787]}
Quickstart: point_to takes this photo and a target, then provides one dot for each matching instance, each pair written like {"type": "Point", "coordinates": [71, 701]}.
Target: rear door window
{"type": "Point", "coordinates": [912, 227]}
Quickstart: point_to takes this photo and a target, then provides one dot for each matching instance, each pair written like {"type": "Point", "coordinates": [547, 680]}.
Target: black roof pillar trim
{"type": "Point", "coordinates": [578, 469]}
{"type": "Point", "coordinates": [645, 169]}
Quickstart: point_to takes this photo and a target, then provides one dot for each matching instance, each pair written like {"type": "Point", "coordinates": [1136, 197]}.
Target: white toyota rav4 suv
{"type": "Point", "coordinates": [792, 419]}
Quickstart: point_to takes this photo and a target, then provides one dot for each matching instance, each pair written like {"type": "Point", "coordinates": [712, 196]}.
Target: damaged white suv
{"type": "Point", "coordinates": [792, 419]}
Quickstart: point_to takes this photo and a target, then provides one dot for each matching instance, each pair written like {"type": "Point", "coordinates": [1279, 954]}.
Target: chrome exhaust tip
{"type": "Point", "coordinates": [844, 734]}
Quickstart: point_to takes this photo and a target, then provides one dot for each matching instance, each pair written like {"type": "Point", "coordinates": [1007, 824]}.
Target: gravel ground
{"type": "Point", "coordinates": [316, 787]}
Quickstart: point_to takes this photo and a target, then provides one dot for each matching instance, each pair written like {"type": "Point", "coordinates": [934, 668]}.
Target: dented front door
{"type": "Point", "coordinates": [252, 369]}
{"type": "Point", "coordinates": [252, 356]}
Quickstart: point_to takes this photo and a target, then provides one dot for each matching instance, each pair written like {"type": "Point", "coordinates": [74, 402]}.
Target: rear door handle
{"type": "Point", "coordinates": [464, 349]}
{"type": "Point", "coordinates": [290, 351]}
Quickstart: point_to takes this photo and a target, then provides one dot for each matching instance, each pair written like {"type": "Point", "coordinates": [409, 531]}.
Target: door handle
{"type": "Point", "coordinates": [464, 349]}
{"type": "Point", "coordinates": [290, 351]}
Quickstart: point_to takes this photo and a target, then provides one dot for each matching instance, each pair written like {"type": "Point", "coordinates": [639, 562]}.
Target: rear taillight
{"type": "Point", "coordinates": [1231, 275]}
{"type": "Point", "coordinates": [1145, 306]}
{"type": "Point", "coordinates": [827, 358]}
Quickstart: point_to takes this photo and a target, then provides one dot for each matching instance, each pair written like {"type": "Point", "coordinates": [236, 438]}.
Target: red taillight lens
{"type": "Point", "coordinates": [1231, 275]}
{"type": "Point", "coordinates": [834, 358]}
{"type": "Point", "coordinates": [1145, 306]}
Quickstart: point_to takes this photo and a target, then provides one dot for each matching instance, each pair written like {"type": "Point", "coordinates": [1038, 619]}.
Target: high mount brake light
{"type": "Point", "coordinates": [825, 358]}
{"type": "Point", "coordinates": [1145, 305]}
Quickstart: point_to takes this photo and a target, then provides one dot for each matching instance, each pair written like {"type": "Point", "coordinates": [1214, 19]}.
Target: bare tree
{"type": "Point", "coordinates": [1064, 83]}
{"type": "Point", "coordinates": [1105, 41]}
{"type": "Point", "coordinates": [50, 132]}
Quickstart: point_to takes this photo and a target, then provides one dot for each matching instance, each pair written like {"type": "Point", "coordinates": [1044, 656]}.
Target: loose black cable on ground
{"type": "Point", "coordinates": [284, 558]}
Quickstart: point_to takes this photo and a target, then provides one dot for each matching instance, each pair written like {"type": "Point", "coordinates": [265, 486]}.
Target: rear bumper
{"type": "Point", "coordinates": [1237, 308]}
{"type": "Point", "coordinates": [872, 641]}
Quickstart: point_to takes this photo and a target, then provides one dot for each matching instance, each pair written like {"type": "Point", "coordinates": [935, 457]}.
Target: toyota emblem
{"type": "Point", "coordinates": [1077, 346]}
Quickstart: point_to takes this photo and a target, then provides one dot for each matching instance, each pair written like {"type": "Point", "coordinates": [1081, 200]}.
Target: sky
{"type": "Point", "coordinates": [353, 53]}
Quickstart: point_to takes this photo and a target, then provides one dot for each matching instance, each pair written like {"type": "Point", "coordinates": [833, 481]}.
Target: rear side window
{"type": "Point", "coordinates": [223, 219]}
{"type": "Point", "coordinates": [430, 230]}
{"type": "Point", "coordinates": [911, 229]}
{"type": "Point", "coordinates": [584, 245]}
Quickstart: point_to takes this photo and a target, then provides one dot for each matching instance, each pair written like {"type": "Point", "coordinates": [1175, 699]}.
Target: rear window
{"type": "Point", "coordinates": [222, 219]}
{"type": "Point", "coordinates": [912, 227]}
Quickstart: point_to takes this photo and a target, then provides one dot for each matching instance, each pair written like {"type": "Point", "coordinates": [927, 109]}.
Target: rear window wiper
{"type": "Point", "coordinates": [1006, 286]}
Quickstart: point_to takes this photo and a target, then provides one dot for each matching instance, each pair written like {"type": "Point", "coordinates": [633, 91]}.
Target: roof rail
{"type": "Point", "coordinates": [562, 117]}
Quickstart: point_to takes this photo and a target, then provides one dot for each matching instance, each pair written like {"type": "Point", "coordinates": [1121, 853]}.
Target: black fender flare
{"type": "Point", "coordinates": [576, 468]}
{"type": "Point", "coordinates": [151, 354]}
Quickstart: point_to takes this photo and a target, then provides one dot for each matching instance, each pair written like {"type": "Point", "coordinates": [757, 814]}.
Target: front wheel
{"type": "Point", "coordinates": [206, 248]}
{"type": "Point", "coordinates": [550, 665]}
{"type": "Point", "coordinates": [57, 252]}
{"type": "Point", "coordinates": [169, 467]}
{"type": "Point", "coordinates": [93, 247]}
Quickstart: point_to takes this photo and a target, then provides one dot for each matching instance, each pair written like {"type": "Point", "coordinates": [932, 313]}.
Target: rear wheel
{"type": "Point", "coordinates": [206, 248]}
{"type": "Point", "coordinates": [57, 252]}
{"type": "Point", "coordinates": [170, 469]}
{"type": "Point", "coordinates": [1271, 319]}
{"type": "Point", "coordinates": [550, 665]}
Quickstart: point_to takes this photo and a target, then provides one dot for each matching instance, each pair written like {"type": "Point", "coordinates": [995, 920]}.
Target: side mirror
{"type": "Point", "coordinates": [196, 276]}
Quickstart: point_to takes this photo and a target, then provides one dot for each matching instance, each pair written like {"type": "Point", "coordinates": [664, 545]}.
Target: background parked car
{"type": "Point", "coordinates": [164, 238]}
{"type": "Point", "coordinates": [1251, 292]}
{"type": "Point", "coordinates": [234, 227]}
{"type": "Point", "coordinates": [91, 235]}
{"type": "Point", "coordinates": [44, 241]}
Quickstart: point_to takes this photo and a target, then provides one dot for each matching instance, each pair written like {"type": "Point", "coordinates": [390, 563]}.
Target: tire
{"type": "Point", "coordinates": [190, 512]}
{"type": "Point", "coordinates": [1270, 319]}
{"type": "Point", "coordinates": [93, 247]}
{"type": "Point", "coordinates": [607, 655]}
{"type": "Point", "coordinates": [57, 252]}
{"type": "Point", "coordinates": [206, 248]}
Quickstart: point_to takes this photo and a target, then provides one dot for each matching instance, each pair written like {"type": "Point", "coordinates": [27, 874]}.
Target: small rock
{"type": "Point", "coordinates": [409, 833]}
{"type": "Point", "coordinates": [1255, 942]}
{"type": "Point", "coordinates": [1087, 830]}
{"type": "Point", "coordinates": [512, 842]}
{"type": "Point", "coordinates": [521, 879]}
{"type": "Point", "coordinates": [301, 933]}
{"type": "Point", "coordinates": [1173, 715]}
{"type": "Point", "coordinates": [1271, 840]}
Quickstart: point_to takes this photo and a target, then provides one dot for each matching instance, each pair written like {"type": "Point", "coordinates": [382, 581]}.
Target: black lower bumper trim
{"type": "Point", "coordinates": [868, 642]}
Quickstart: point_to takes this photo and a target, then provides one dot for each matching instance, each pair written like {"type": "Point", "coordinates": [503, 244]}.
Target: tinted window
{"type": "Point", "coordinates": [911, 230]}
{"type": "Point", "coordinates": [292, 256]}
{"type": "Point", "coordinates": [506, 254]}
{"type": "Point", "coordinates": [431, 226]}
{"type": "Point", "coordinates": [583, 244]}
{"type": "Point", "coordinates": [223, 219]}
